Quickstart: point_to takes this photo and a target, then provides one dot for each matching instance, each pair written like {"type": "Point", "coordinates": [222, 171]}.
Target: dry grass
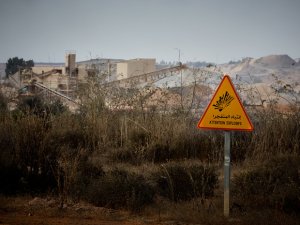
{"type": "Point", "coordinates": [59, 149]}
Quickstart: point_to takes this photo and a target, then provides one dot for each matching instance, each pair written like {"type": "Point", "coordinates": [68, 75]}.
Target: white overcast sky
{"type": "Point", "coordinates": [203, 30]}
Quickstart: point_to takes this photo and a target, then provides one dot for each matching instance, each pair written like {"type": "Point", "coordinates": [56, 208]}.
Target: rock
{"type": "Point", "coordinates": [37, 202]}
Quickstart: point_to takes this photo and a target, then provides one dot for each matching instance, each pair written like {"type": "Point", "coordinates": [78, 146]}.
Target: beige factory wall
{"type": "Point", "coordinates": [82, 74]}
{"type": "Point", "coordinates": [135, 67]}
{"type": "Point", "coordinates": [122, 70]}
{"type": "Point", "coordinates": [40, 69]}
{"type": "Point", "coordinates": [51, 81]}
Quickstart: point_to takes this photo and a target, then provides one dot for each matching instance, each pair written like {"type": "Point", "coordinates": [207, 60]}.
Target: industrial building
{"type": "Point", "coordinates": [63, 79]}
{"type": "Point", "coordinates": [134, 67]}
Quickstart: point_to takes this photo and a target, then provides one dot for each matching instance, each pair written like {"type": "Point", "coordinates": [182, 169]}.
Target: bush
{"type": "Point", "coordinates": [275, 183]}
{"type": "Point", "coordinates": [180, 182]}
{"type": "Point", "coordinates": [205, 180]}
{"type": "Point", "coordinates": [139, 137]}
{"type": "Point", "coordinates": [32, 105]}
{"type": "Point", "coordinates": [125, 155]}
{"type": "Point", "coordinates": [11, 177]}
{"type": "Point", "coordinates": [56, 107]}
{"type": "Point", "coordinates": [187, 144]}
{"type": "Point", "coordinates": [272, 135]}
{"type": "Point", "coordinates": [85, 177]}
{"type": "Point", "coordinates": [158, 153]}
{"type": "Point", "coordinates": [175, 183]}
{"type": "Point", "coordinates": [3, 103]}
{"type": "Point", "coordinates": [119, 189]}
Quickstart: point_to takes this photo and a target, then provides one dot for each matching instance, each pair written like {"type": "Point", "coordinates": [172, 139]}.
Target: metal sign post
{"type": "Point", "coordinates": [226, 112]}
{"type": "Point", "coordinates": [226, 173]}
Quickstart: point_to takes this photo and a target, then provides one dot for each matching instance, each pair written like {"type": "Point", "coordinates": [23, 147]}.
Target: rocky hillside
{"type": "Point", "coordinates": [273, 78]}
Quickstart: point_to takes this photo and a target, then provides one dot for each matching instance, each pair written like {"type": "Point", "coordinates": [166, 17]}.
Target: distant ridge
{"type": "Point", "coordinates": [276, 61]}
{"type": "Point", "coordinates": [261, 66]}
{"type": "Point", "coordinates": [297, 60]}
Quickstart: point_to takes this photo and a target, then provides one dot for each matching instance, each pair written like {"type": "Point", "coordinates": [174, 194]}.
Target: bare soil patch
{"type": "Point", "coordinates": [40, 211]}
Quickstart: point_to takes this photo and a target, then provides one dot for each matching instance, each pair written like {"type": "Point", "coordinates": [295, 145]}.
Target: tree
{"type": "Point", "coordinates": [13, 65]}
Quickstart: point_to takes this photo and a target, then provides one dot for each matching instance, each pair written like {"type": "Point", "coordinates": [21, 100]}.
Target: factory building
{"type": "Point", "coordinates": [134, 67]}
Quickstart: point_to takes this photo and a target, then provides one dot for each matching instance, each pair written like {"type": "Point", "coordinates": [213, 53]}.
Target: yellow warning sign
{"type": "Point", "coordinates": [225, 110]}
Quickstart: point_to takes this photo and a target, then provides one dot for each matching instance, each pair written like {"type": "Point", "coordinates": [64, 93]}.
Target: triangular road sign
{"type": "Point", "coordinates": [225, 110]}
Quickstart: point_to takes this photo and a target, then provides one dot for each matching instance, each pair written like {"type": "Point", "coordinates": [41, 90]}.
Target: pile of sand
{"type": "Point", "coordinates": [276, 61]}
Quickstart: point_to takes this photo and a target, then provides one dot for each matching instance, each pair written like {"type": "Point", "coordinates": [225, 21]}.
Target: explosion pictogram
{"type": "Point", "coordinates": [223, 101]}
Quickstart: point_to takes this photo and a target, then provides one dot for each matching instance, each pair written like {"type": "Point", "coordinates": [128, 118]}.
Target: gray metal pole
{"type": "Point", "coordinates": [226, 173]}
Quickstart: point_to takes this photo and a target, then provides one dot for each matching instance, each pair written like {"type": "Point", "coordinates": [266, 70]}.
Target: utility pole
{"type": "Point", "coordinates": [181, 88]}
{"type": "Point", "coordinates": [178, 54]}
{"type": "Point", "coordinates": [108, 72]}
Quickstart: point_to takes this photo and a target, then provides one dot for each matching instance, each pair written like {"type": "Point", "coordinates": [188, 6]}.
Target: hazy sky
{"type": "Point", "coordinates": [203, 30]}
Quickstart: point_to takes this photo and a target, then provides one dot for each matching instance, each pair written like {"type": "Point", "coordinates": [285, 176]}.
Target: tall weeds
{"type": "Point", "coordinates": [43, 151]}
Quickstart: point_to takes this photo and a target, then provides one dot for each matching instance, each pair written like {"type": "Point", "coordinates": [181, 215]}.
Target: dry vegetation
{"type": "Point", "coordinates": [150, 161]}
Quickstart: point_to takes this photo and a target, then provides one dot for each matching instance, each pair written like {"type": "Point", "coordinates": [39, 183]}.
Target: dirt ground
{"type": "Point", "coordinates": [38, 211]}
{"type": "Point", "coordinates": [45, 211]}
{"type": "Point", "coordinates": [19, 219]}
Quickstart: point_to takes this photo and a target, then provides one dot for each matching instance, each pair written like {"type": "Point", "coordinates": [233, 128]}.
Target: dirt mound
{"type": "Point", "coordinates": [276, 61]}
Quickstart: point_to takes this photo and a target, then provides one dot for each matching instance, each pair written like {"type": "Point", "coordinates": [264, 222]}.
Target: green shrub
{"type": "Point", "coordinates": [158, 153]}
{"type": "Point", "coordinates": [139, 137]}
{"type": "Point", "coordinates": [11, 177]}
{"type": "Point", "coordinates": [85, 177]}
{"type": "Point", "coordinates": [56, 107]}
{"type": "Point", "coordinates": [64, 137]}
{"type": "Point", "coordinates": [186, 144]}
{"type": "Point", "coordinates": [120, 189]}
{"type": "Point", "coordinates": [175, 183]}
{"type": "Point", "coordinates": [274, 183]}
{"type": "Point", "coordinates": [275, 134]}
{"type": "Point", "coordinates": [183, 182]}
{"type": "Point", "coordinates": [125, 155]}
{"type": "Point", "coordinates": [3, 103]}
{"type": "Point", "coordinates": [205, 180]}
